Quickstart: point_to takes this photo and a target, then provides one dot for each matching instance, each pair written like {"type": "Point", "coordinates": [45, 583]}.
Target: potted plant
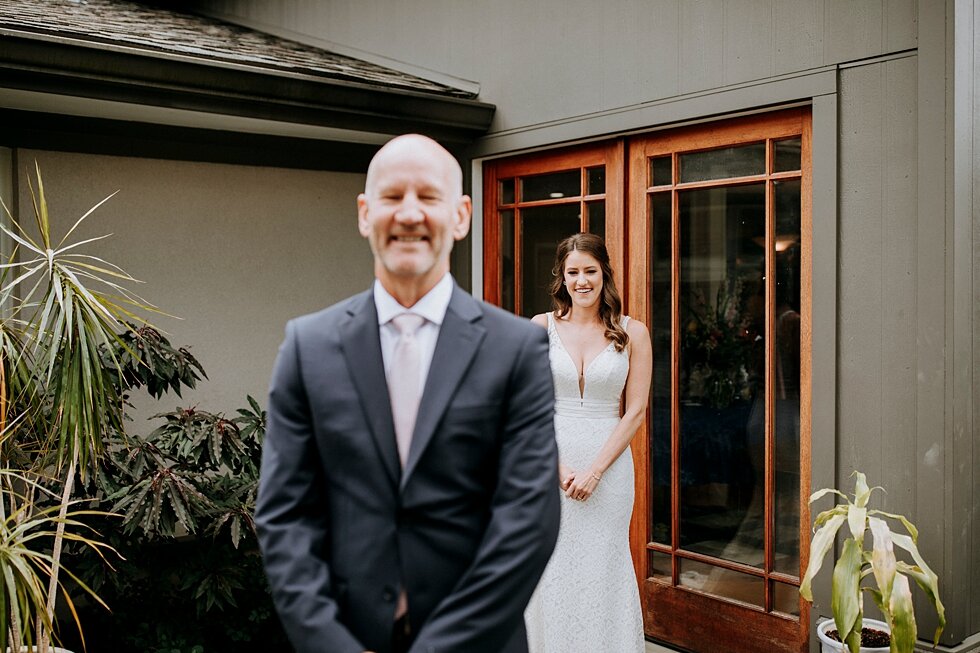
{"type": "Point", "coordinates": [891, 591]}
{"type": "Point", "coordinates": [64, 311]}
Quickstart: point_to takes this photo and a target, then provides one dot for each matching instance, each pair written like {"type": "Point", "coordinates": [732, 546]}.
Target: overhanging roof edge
{"type": "Point", "coordinates": [31, 61]}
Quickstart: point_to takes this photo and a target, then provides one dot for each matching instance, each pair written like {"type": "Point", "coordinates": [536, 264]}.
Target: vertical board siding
{"type": "Point", "coordinates": [554, 60]}
{"type": "Point", "coordinates": [702, 60]}
{"type": "Point", "coordinates": [877, 257]}
{"type": "Point", "coordinates": [654, 49]}
{"type": "Point", "coordinates": [899, 25]}
{"type": "Point", "coordinates": [974, 54]}
{"type": "Point", "coordinates": [745, 58]}
{"type": "Point", "coordinates": [939, 538]}
{"type": "Point", "coordinates": [852, 30]}
{"type": "Point", "coordinates": [898, 200]}
{"type": "Point", "coordinates": [797, 35]}
{"type": "Point", "coordinates": [861, 347]}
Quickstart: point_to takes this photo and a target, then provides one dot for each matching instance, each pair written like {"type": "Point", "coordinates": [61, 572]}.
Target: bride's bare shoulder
{"type": "Point", "coordinates": [541, 319]}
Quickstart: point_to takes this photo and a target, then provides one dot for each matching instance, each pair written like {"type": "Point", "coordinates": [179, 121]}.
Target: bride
{"type": "Point", "coordinates": [601, 361]}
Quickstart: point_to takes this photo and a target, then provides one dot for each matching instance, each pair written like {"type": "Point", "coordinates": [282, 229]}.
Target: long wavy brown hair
{"type": "Point", "coordinates": [610, 305]}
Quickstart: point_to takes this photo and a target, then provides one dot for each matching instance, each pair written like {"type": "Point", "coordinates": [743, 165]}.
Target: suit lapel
{"type": "Point", "coordinates": [459, 338]}
{"type": "Point", "coordinates": [361, 344]}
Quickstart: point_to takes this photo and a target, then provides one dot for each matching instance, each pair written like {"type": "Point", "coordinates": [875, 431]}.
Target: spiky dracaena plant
{"type": "Point", "coordinates": [892, 593]}
{"type": "Point", "coordinates": [26, 561]}
{"type": "Point", "coordinates": [58, 404]}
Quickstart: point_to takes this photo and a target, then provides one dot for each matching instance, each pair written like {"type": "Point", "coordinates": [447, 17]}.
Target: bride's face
{"type": "Point", "coordinates": [583, 279]}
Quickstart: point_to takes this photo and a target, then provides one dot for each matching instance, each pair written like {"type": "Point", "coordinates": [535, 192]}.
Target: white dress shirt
{"type": "Point", "coordinates": [432, 306]}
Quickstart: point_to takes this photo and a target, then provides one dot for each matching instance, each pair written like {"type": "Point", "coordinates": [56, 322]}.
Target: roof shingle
{"type": "Point", "coordinates": [156, 29]}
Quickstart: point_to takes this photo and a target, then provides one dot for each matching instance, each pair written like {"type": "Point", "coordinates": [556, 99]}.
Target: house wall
{"type": "Point", "coordinates": [878, 279]}
{"type": "Point", "coordinates": [554, 60]}
{"type": "Point", "coordinates": [895, 297]}
{"type": "Point", "coordinates": [233, 250]}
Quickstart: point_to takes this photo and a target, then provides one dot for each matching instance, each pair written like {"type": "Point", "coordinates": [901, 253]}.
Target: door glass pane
{"type": "Point", "coordinates": [507, 260]}
{"type": "Point", "coordinates": [786, 598]}
{"type": "Point", "coordinates": [724, 163]}
{"type": "Point", "coordinates": [551, 186]}
{"type": "Point", "coordinates": [597, 217]}
{"type": "Point", "coordinates": [596, 180]}
{"type": "Point", "coordinates": [722, 313]}
{"type": "Point", "coordinates": [659, 565]}
{"type": "Point", "coordinates": [722, 582]}
{"type": "Point", "coordinates": [787, 155]}
{"type": "Point", "coordinates": [660, 334]}
{"type": "Point", "coordinates": [541, 228]}
{"type": "Point", "coordinates": [786, 545]}
{"type": "Point", "coordinates": [660, 171]}
{"type": "Point", "coordinates": [507, 191]}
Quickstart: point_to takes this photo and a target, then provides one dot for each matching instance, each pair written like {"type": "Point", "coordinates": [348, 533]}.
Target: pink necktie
{"type": "Point", "coordinates": [404, 386]}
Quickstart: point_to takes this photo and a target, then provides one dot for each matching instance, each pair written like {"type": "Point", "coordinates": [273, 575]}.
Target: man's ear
{"type": "Point", "coordinates": [464, 214]}
{"type": "Point", "coordinates": [362, 222]}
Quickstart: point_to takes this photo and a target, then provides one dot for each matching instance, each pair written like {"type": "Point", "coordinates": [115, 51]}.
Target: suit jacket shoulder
{"type": "Point", "coordinates": [331, 315]}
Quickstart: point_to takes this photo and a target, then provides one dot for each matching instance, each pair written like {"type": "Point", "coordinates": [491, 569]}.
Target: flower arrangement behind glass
{"type": "Point", "coordinates": [719, 346]}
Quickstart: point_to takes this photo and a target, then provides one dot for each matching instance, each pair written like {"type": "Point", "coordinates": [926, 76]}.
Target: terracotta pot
{"type": "Point", "coordinates": [828, 645]}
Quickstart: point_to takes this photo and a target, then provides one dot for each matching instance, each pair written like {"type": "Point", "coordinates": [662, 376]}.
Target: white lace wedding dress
{"type": "Point", "coordinates": [588, 600]}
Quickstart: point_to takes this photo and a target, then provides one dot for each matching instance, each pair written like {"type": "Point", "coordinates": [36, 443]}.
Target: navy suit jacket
{"type": "Point", "coordinates": [466, 528]}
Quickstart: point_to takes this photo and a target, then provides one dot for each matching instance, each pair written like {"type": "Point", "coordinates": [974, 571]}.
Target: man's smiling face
{"type": "Point", "coordinates": [412, 211]}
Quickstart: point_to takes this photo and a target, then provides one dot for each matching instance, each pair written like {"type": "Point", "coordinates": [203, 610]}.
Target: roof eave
{"type": "Point", "coordinates": [139, 77]}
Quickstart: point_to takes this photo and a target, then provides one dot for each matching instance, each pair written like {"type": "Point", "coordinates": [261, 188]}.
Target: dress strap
{"type": "Point", "coordinates": [624, 322]}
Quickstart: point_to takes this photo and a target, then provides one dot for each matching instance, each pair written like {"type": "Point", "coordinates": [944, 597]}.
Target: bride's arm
{"type": "Point", "coordinates": [636, 395]}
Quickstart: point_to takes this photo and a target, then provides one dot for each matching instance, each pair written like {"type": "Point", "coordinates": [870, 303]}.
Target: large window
{"type": "Point", "coordinates": [537, 202]}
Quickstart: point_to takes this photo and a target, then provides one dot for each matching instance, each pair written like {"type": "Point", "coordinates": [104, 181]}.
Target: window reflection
{"type": "Point", "coordinates": [722, 372]}
{"type": "Point", "coordinates": [555, 185]}
{"type": "Point", "coordinates": [660, 386]}
{"type": "Point", "coordinates": [507, 260]}
{"type": "Point", "coordinates": [786, 381]}
{"type": "Point", "coordinates": [723, 163]}
{"type": "Point", "coordinates": [542, 228]}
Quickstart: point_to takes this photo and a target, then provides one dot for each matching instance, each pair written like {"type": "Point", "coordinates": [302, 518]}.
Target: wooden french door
{"type": "Point", "coordinates": [709, 232]}
{"type": "Point", "coordinates": [719, 250]}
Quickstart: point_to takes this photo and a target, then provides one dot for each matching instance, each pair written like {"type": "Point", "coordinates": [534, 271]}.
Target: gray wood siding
{"type": "Point", "coordinates": [972, 53]}
{"type": "Point", "coordinates": [556, 59]}
{"type": "Point", "coordinates": [877, 281]}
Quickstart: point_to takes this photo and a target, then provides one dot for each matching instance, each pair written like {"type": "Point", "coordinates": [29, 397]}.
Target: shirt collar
{"type": "Point", "coordinates": [432, 306]}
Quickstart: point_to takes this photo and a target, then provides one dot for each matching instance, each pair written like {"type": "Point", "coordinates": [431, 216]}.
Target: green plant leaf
{"type": "Point", "coordinates": [883, 562]}
{"type": "Point", "coordinates": [857, 521]}
{"type": "Point", "coordinates": [846, 594]}
{"type": "Point", "coordinates": [924, 577]}
{"type": "Point", "coordinates": [822, 542]}
{"type": "Point", "coordinates": [82, 219]}
{"type": "Point", "coordinates": [825, 491]}
{"type": "Point", "coordinates": [877, 598]}
{"type": "Point", "coordinates": [861, 490]}
{"type": "Point", "coordinates": [909, 526]}
{"type": "Point", "coordinates": [822, 518]}
{"type": "Point", "coordinates": [901, 617]}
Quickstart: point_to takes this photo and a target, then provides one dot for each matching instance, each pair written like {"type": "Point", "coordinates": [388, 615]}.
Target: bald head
{"type": "Point", "coordinates": [409, 148]}
{"type": "Point", "coordinates": [412, 210]}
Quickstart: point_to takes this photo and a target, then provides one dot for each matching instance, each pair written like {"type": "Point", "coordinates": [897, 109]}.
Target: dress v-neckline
{"type": "Point", "coordinates": [584, 374]}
